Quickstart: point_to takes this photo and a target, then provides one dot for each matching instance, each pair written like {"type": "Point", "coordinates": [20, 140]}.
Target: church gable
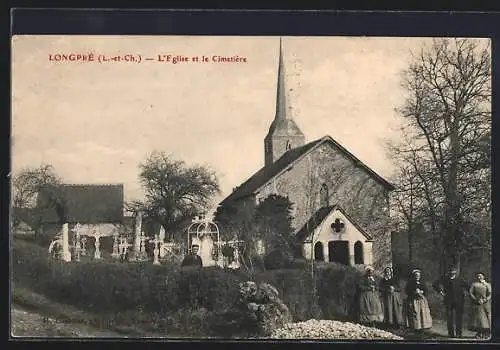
{"type": "Point", "coordinates": [335, 223]}
{"type": "Point", "coordinates": [318, 162]}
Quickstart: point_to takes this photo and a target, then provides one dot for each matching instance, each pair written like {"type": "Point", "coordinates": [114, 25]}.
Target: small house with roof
{"type": "Point", "coordinates": [96, 207]}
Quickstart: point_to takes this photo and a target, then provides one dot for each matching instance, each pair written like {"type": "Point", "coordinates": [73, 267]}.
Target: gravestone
{"type": "Point", "coordinates": [66, 254]}
{"type": "Point", "coordinates": [97, 253]}
{"type": "Point", "coordinates": [138, 235]}
{"type": "Point", "coordinates": [156, 249]}
{"type": "Point", "coordinates": [116, 253]}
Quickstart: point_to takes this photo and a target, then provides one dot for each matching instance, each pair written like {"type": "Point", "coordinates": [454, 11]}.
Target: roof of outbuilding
{"type": "Point", "coordinates": [320, 215]}
{"type": "Point", "coordinates": [85, 203]}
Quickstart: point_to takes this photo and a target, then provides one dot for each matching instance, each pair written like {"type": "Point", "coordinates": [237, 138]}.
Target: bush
{"type": "Point", "coordinates": [277, 259]}
{"type": "Point", "coordinates": [260, 310]}
{"type": "Point", "coordinates": [336, 288]}
{"type": "Point", "coordinates": [295, 290]}
{"type": "Point", "coordinates": [170, 297]}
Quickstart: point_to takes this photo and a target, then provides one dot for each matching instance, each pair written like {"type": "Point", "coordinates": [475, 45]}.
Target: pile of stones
{"type": "Point", "coordinates": [327, 329]}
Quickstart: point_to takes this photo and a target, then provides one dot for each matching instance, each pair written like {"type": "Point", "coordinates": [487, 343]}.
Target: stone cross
{"type": "Point", "coordinates": [76, 245]}
{"type": "Point", "coordinates": [156, 250]}
{"type": "Point", "coordinates": [97, 254]}
{"type": "Point", "coordinates": [337, 226]}
{"type": "Point", "coordinates": [116, 253]}
{"type": "Point", "coordinates": [123, 247]}
{"type": "Point", "coordinates": [142, 247]}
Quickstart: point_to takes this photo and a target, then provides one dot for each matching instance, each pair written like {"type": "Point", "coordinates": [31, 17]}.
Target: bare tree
{"type": "Point", "coordinates": [28, 184]}
{"type": "Point", "coordinates": [447, 138]}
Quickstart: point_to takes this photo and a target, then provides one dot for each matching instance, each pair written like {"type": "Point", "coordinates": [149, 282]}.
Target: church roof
{"type": "Point", "coordinates": [320, 215]}
{"type": "Point", "coordinates": [265, 174]}
{"type": "Point", "coordinates": [283, 127]}
{"type": "Point", "coordinates": [86, 203]}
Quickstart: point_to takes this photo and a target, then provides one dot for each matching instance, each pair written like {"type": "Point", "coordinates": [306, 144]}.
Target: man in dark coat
{"type": "Point", "coordinates": [192, 259]}
{"type": "Point", "coordinates": [453, 289]}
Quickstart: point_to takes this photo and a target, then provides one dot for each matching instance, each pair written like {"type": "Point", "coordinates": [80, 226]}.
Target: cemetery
{"type": "Point", "coordinates": [75, 244]}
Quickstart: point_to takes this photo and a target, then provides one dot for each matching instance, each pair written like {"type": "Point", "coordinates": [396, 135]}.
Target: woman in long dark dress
{"type": "Point", "coordinates": [370, 307]}
{"type": "Point", "coordinates": [392, 302]}
{"type": "Point", "coordinates": [480, 294]}
{"type": "Point", "coordinates": [418, 312]}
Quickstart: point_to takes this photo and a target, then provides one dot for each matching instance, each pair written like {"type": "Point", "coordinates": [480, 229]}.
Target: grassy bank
{"type": "Point", "coordinates": [142, 298]}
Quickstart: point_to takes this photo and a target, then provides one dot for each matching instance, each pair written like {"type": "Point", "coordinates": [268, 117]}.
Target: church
{"type": "Point", "coordinates": [340, 205]}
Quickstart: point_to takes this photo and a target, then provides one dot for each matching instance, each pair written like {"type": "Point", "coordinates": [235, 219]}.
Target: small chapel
{"type": "Point", "coordinates": [340, 205]}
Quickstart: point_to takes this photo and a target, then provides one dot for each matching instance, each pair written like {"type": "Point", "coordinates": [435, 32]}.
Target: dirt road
{"type": "Point", "coordinates": [26, 323]}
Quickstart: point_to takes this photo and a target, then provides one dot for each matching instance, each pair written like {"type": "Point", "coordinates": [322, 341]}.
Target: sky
{"type": "Point", "coordinates": [95, 122]}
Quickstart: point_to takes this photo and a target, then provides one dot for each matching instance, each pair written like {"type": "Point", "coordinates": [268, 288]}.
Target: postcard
{"type": "Point", "coordinates": [251, 187]}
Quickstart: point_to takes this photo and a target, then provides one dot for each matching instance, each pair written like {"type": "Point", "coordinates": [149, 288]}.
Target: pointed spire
{"type": "Point", "coordinates": [281, 100]}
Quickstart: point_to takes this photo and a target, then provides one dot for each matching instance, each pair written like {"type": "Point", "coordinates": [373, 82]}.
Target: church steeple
{"type": "Point", "coordinates": [282, 108]}
{"type": "Point", "coordinates": [283, 133]}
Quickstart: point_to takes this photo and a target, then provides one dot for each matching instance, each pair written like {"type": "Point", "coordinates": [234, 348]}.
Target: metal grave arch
{"type": "Point", "coordinates": [203, 227]}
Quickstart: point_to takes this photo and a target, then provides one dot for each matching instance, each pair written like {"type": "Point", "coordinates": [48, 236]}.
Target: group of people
{"type": "Point", "coordinates": [381, 302]}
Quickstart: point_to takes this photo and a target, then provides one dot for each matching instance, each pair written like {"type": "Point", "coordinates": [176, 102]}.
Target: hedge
{"type": "Point", "coordinates": [113, 286]}
{"type": "Point", "coordinates": [104, 286]}
{"type": "Point", "coordinates": [199, 301]}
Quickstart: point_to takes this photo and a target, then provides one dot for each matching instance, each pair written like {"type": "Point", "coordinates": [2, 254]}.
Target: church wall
{"type": "Point", "coordinates": [349, 186]}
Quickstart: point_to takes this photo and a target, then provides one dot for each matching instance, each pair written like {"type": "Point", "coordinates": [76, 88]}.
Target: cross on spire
{"type": "Point", "coordinates": [337, 226]}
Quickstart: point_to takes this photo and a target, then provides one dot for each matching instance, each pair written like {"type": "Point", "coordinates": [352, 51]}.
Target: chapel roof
{"type": "Point", "coordinates": [320, 215]}
{"type": "Point", "coordinates": [85, 203]}
{"type": "Point", "coordinates": [265, 174]}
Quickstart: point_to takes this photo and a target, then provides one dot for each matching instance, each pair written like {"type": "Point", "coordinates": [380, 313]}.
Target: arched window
{"type": "Point", "coordinates": [288, 145]}
{"type": "Point", "coordinates": [358, 253]}
{"type": "Point", "coordinates": [318, 252]}
{"type": "Point", "coordinates": [323, 193]}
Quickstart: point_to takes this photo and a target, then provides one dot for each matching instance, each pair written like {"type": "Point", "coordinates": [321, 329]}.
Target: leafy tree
{"type": "Point", "coordinates": [174, 192]}
{"type": "Point", "coordinates": [444, 155]}
{"type": "Point", "coordinates": [273, 219]}
{"type": "Point", "coordinates": [271, 222]}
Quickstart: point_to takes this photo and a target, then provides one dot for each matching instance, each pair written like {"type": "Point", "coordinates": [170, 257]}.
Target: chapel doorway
{"type": "Point", "coordinates": [318, 252]}
{"type": "Point", "coordinates": [338, 251]}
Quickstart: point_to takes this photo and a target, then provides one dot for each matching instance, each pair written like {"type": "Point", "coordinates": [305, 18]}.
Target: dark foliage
{"type": "Point", "coordinates": [194, 302]}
